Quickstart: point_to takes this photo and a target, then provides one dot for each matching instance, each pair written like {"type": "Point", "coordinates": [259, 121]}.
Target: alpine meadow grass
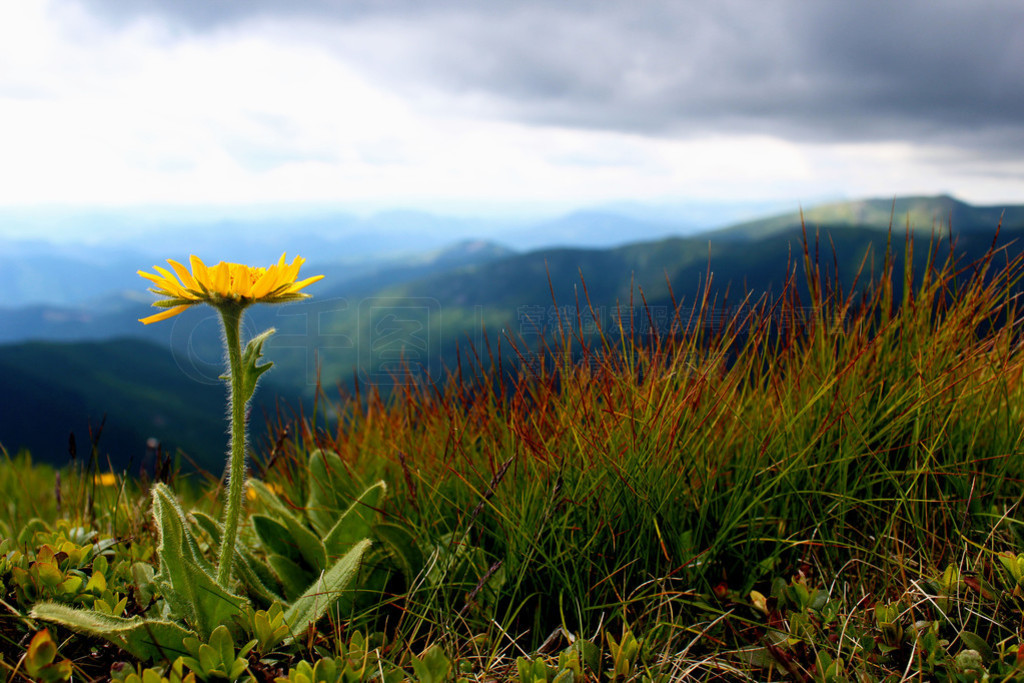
{"type": "Point", "coordinates": [818, 485]}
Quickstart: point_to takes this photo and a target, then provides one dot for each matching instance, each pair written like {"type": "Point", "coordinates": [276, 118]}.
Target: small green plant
{"type": "Point", "coordinates": [217, 659]}
{"type": "Point", "coordinates": [193, 604]}
{"type": "Point", "coordinates": [890, 624]}
{"type": "Point", "coordinates": [68, 566]}
{"type": "Point", "coordinates": [625, 653]}
{"type": "Point", "coordinates": [355, 662]}
{"type": "Point", "coordinates": [433, 666]}
{"type": "Point", "coordinates": [175, 673]}
{"type": "Point", "coordinates": [41, 663]}
{"type": "Point", "coordinates": [268, 627]}
{"type": "Point", "coordinates": [534, 670]}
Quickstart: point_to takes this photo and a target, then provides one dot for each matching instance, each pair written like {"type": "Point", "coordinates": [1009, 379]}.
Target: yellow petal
{"type": "Point", "coordinates": [183, 274]}
{"type": "Point", "coordinates": [304, 283]}
{"type": "Point", "coordinates": [241, 279]}
{"type": "Point", "coordinates": [292, 271]}
{"type": "Point", "coordinates": [200, 271]}
{"type": "Point", "coordinates": [227, 281]}
{"type": "Point", "coordinates": [266, 284]}
{"type": "Point", "coordinates": [156, 279]}
{"type": "Point", "coordinates": [220, 278]}
{"type": "Point", "coordinates": [162, 288]}
{"type": "Point", "coordinates": [164, 315]}
{"type": "Point", "coordinates": [171, 283]}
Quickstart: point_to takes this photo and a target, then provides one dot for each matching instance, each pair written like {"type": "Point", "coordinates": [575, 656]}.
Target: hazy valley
{"type": "Point", "coordinates": [74, 352]}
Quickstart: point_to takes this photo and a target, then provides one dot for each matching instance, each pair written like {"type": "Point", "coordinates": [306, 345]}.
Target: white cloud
{"type": "Point", "coordinates": [261, 112]}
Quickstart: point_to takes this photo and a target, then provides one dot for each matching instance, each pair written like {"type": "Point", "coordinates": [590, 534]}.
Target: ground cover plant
{"type": "Point", "coordinates": [819, 490]}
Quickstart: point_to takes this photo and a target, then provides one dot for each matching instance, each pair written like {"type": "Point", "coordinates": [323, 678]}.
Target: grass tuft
{"type": "Point", "coordinates": [813, 487]}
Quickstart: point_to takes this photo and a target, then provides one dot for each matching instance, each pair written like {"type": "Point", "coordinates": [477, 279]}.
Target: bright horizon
{"type": "Point", "coordinates": [193, 106]}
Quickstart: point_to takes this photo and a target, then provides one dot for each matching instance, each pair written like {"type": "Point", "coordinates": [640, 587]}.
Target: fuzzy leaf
{"type": "Point", "coordinates": [293, 577]}
{"type": "Point", "coordinates": [315, 602]}
{"type": "Point", "coordinates": [208, 524]}
{"type": "Point", "coordinates": [310, 547]}
{"type": "Point", "coordinates": [186, 578]}
{"type": "Point", "coordinates": [400, 545]}
{"type": "Point", "coordinates": [274, 537]}
{"type": "Point", "coordinates": [357, 521]}
{"type": "Point", "coordinates": [258, 581]}
{"type": "Point", "coordinates": [146, 639]}
{"type": "Point", "coordinates": [251, 368]}
{"type": "Point", "coordinates": [269, 498]}
{"type": "Point", "coordinates": [322, 505]}
{"type": "Point", "coordinates": [171, 518]}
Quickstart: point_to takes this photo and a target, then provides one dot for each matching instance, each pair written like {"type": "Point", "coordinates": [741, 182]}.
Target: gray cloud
{"type": "Point", "coordinates": [944, 72]}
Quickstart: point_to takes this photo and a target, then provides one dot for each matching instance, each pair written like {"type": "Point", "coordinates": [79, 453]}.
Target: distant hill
{"type": "Point", "coordinates": [596, 229]}
{"type": "Point", "coordinates": [117, 314]}
{"type": "Point", "coordinates": [60, 279]}
{"type": "Point", "coordinates": [517, 296]}
{"type": "Point", "coordinates": [53, 389]}
{"type": "Point", "coordinates": [417, 312]}
{"type": "Point", "coordinates": [923, 214]}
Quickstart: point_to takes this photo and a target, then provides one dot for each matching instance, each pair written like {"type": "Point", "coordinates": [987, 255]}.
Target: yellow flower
{"type": "Point", "coordinates": [225, 284]}
{"type": "Point", "coordinates": [105, 479]}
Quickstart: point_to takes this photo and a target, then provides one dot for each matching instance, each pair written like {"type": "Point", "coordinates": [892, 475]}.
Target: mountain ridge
{"type": "Point", "coordinates": [476, 292]}
{"type": "Point", "coordinates": [922, 213]}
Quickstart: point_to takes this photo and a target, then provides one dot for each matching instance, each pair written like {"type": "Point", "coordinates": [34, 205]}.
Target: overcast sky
{"type": "Point", "coordinates": [421, 103]}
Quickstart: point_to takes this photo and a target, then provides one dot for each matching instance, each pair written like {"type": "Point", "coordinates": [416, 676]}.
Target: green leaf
{"type": "Point", "coordinates": [257, 579]}
{"type": "Point", "coordinates": [580, 656]}
{"type": "Point", "coordinates": [310, 547]}
{"type": "Point", "coordinates": [146, 639]}
{"type": "Point", "coordinates": [975, 642]}
{"type": "Point", "coordinates": [39, 660]}
{"type": "Point", "coordinates": [142, 579]}
{"type": "Point", "coordinates": [269, 498]}
{"type": "Point", "coordinates": [322, 505]}
{"type": "Point", "coordinates": [208, 524]}
{"type": "Point", "coordinates": [208, 659]}
{"type": "Point", "coordinates": [433, 667]}
{"type": "Point", "coordinates": [254, 575]}
{"type": "Point", "coordinates": [224, 646]}
{"type": "Point", "coordinates": [400, 545]}
{"type": "Point", "coordinates": [315, 602]}
{"type": "Point", "coordinates": [172, 525]}
{"type": "Point", "coordinates": [357, 521]}
{"type": "Point", "coordinates": [41, 651]}
{"type": "Point", "coordinates": [186, 577]}
{"type": "Point", "coordinates": [274, 537]}
{"type": "Point", "coordinates": [285, 535]}
{"type": "Point", "coordinates": [294, 578]}
{"type": "Point", "coordinates": [251, 369]}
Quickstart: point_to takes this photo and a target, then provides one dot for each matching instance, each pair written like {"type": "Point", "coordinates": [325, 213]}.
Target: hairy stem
{"type": "Point", "coordinates": [231, 316]}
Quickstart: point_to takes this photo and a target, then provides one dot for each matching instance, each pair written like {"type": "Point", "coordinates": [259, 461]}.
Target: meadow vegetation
{"type": "Point", "coordinates": [811, 490]}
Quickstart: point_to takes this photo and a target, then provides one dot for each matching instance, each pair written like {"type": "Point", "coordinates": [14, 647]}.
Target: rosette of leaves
{"type": "Point", "coordinates": [301, 542]}
{"type": "Point", "coordinates": [193, 604]}
{"type": "Point", "coordinates": [67, 565]}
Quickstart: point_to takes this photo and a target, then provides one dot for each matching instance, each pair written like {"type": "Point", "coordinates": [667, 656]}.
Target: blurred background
{"type": "Point", "coordinates": [454, 169]}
